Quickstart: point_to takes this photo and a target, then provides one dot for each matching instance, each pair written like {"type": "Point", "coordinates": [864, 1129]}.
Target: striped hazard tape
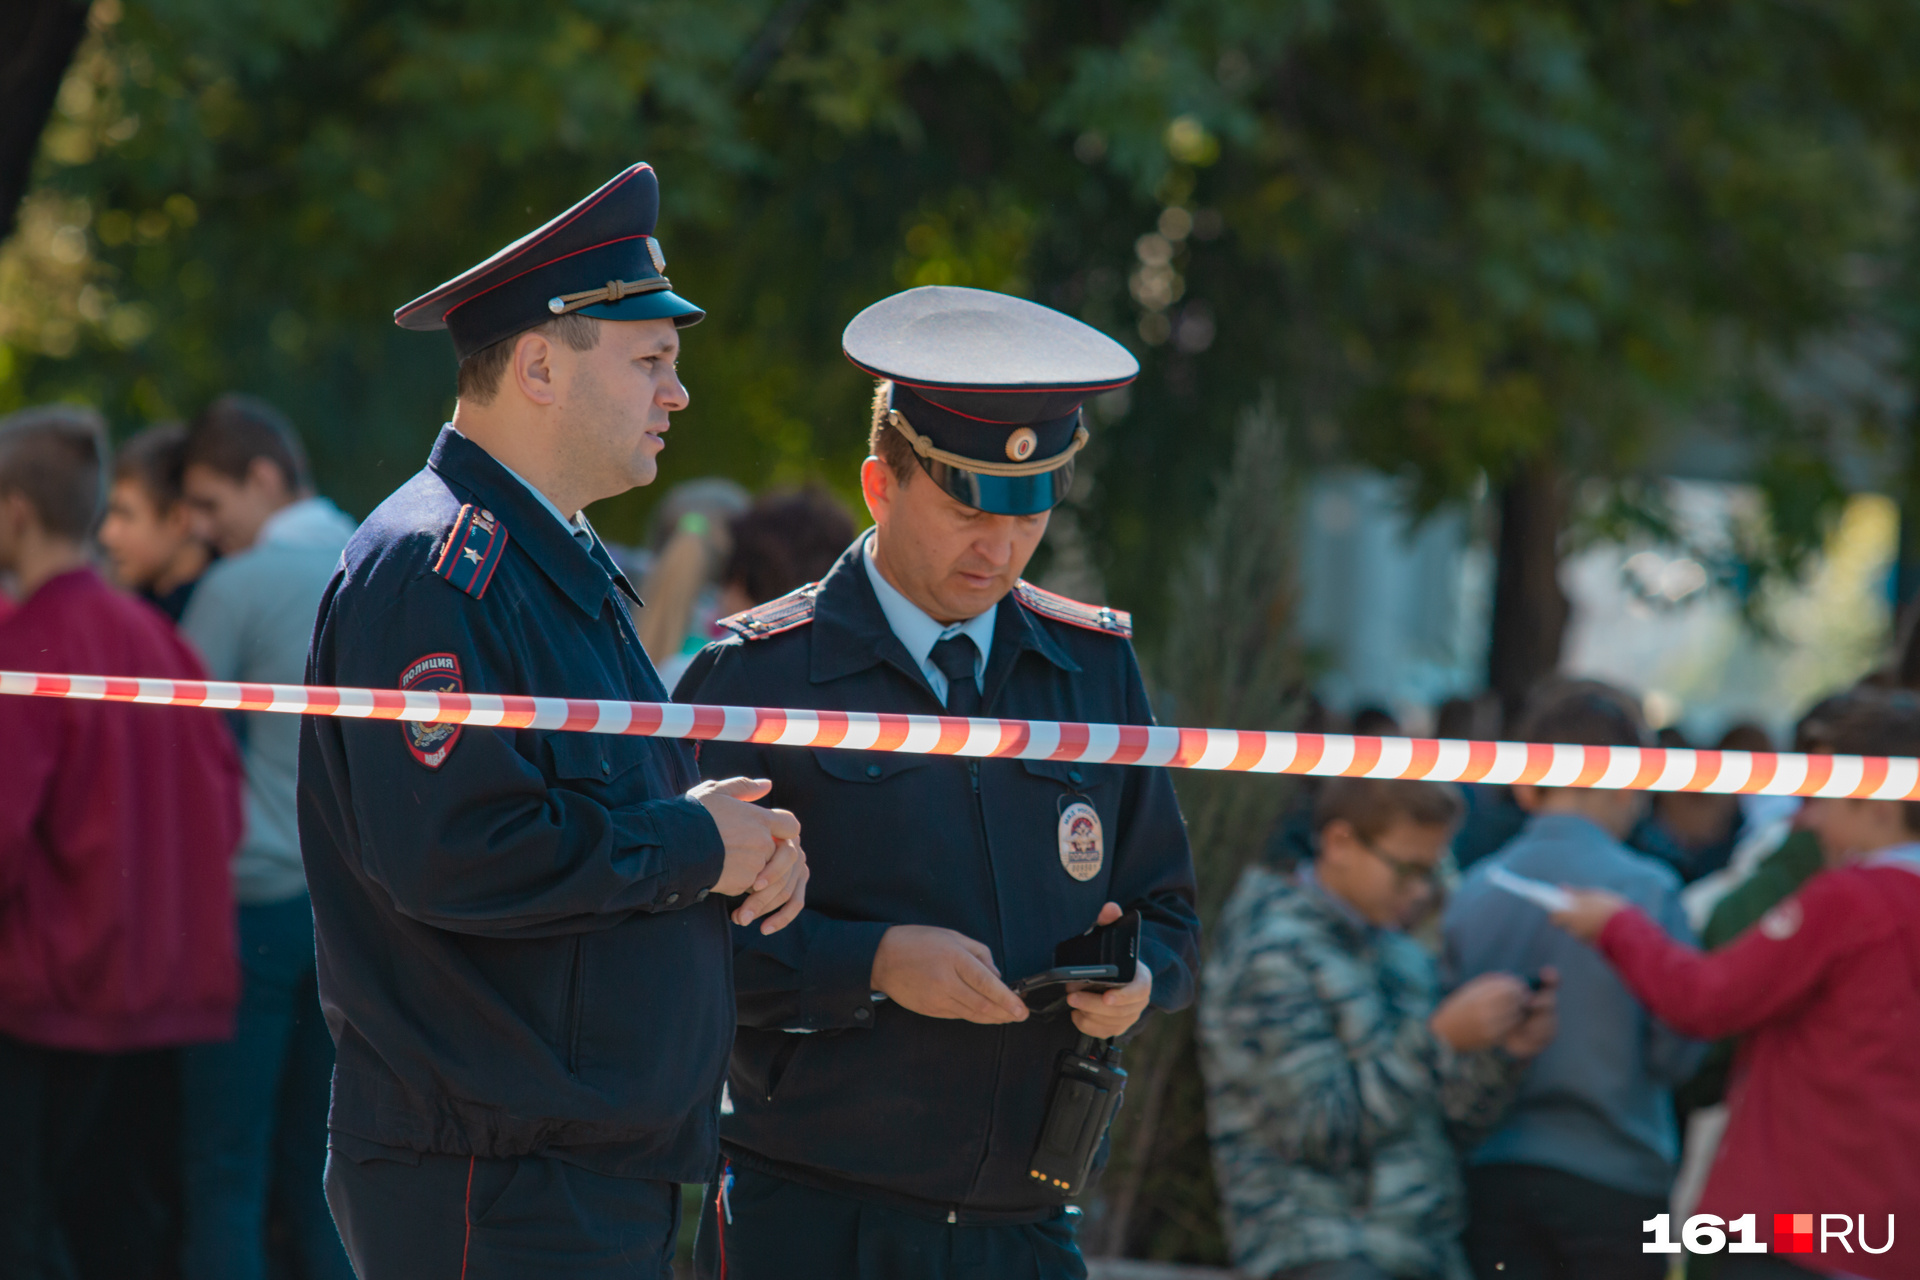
{"type": "Point", "coordinates": [1235, 750]}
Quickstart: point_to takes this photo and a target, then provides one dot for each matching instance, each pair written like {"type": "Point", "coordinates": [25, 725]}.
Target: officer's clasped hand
{"type": "Point", "coordinates": [764, 858]}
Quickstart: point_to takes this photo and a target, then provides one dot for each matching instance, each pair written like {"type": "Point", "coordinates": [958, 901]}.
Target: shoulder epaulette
{"type": "Point", "coordinates": [784, 613]}
{"type": "Point", "coordinates": [472, 551]}
{"type": "Point", "coordinates": [1094, 617]}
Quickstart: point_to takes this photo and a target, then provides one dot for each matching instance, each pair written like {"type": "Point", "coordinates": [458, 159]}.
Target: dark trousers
{"type": "Point", "coordinates": [784, 1231]}
{"type": "Point", "coordinates": [1532, 1223]}
{"type": "Point", "coordinates": [254, 1113]}
{"type": "Point", "coordinates": [434, 1217]}
{"type": "Point", "coordinates": [87, 1151]}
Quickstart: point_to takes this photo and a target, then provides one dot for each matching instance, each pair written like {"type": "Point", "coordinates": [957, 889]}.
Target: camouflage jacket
{"type": "Point", "coordinates": [1334, 1111]}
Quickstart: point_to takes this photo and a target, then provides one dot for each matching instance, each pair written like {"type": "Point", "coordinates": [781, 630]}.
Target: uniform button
{"type": "Point", "coordinates": [1073, 775]}
{"type": "Point", "coordinates": [672, 898]}
{"type": "Point", "coordinates": [700, 896]}
{"type": "Point", "coordinates": [873, 771]}
{"type": "Point", "coordinates": [606, 766]}
{"type": "Point", "coordinates": [863, 1014]}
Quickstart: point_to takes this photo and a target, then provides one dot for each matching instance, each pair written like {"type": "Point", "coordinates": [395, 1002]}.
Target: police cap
{"type": "Point", "coordinates": [987, 389]}
{"type": "Point", "coordinates": [599, 258]}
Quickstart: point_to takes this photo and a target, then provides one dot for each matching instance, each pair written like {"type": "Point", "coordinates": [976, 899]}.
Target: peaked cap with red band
{"type": "Point", "coordinates": [987, 388]}
{"type": "Point", "coordinates": [599, 258]}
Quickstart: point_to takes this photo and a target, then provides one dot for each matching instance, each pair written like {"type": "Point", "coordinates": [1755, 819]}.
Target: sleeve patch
{"type": "Point", "coordinates": [431, 744]}
{"type": "Point", "coordinates": [795, 609]}
{"type": "Point", "coordinates": [472, 551]}
{"type": "Point", "coordinates": [1094, 617]}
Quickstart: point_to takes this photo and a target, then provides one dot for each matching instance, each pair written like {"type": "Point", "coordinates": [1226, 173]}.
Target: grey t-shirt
{"type": "Point", "coordinates": [252, 618]}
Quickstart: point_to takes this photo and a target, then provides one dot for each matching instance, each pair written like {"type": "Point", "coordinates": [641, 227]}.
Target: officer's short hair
{"type": "Point", "coordinates": [1586, 713]}
{"type": "Point", "coordinates": [154, 459]}
{"type": "Point", "coordinates": [886, 444]}
{"type": "Point", "coordinates": [480, 373]}
{"type": "Point", "coordinates": [51, 456]}
{"type": "Point", "coordinates": [1371, 805]}
{"type": "Point", "coordinates": [233, 431]}
{"type": "Point", "coordinates": [1875, 723]}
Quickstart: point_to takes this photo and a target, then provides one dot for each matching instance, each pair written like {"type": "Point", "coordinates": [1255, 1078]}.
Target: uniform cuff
{"type": "Point", "coordinates": [837, 984]}
{"type": "Point", "coordinates": [693, 857]}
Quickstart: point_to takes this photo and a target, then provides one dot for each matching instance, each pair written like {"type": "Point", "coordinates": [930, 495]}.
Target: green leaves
{"type": "Point", "coordinates": [1448, 236]}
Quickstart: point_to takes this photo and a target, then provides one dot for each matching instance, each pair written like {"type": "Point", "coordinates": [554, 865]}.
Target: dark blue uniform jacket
{"type": "Point", "coordinates": [946, 1112]}
{"type": "Point", "coordinates": [517, 952]}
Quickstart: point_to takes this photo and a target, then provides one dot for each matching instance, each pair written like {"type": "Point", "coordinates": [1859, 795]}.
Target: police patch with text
{"type": "Point", "coordinates": [435, 673]}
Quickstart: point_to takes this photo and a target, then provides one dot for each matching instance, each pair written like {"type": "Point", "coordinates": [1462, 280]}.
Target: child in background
{"type": "Point", "coordinates": [1589, 1148]}
{"type": "Point", "coordinates": [149, 533]}
{"type": "Point", "coordinates": [1825, 993]}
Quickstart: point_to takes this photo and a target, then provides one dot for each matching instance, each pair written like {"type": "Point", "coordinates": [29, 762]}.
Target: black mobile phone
{"type": "Point", "coordinates": [1102, 958]}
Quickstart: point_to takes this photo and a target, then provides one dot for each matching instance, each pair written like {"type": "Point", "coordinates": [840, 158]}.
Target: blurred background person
{"type": "Point", "coordinates": [1824, 992]}
{"type": "Point", "coordinates": [786, 539]}
{"type": "Point", "coordinates": [117, 824]}
{"type": "Point", "coordinates": [1768, 866]}
{"type": "Point", "coordinates": [1588, 1150]}
{"type": "Point", "coordinates": [679, 574]}
{"type": "Point", "coordinates": [149, 532]}
{"type": "Point", "coordinates": [255, 1107]}
{"type": "Point", "coordinates": [1338, 1080]}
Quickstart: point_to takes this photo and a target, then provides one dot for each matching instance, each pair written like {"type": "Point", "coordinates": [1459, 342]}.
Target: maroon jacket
{"type": "Point", "coordinates": [117, 824]}
{"type": "Point", "coordinates": [1825, 1101]}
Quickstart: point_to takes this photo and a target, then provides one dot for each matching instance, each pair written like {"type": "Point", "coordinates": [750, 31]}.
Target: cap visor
{"type": "Point", "coordinates": [1003, 495]}
{"type": "Point", "coordinates": [664, 305]}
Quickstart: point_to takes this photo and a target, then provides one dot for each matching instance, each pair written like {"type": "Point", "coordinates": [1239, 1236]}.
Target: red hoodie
{"type": "Point", "coordinates": [1825, 1097]}
{"type": "Point", "coordinates": [117, 824]}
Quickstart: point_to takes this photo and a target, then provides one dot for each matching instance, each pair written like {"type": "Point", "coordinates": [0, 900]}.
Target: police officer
{"type": "Point", "coordinates": [522, 935]}
{"type": "Point", "coordinates": [888, 1085]}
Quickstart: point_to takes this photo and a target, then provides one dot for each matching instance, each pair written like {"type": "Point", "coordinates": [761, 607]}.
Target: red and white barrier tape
{"type": "Point", "coordinates": [1235, 750]}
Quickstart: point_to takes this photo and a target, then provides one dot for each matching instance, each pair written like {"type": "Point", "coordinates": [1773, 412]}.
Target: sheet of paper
{"type": "Point", "coordinates": [1548, 897]}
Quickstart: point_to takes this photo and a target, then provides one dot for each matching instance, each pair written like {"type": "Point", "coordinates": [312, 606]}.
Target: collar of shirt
{"type": "Point", "coordinates": [1904, 856]}
{"type": "Point", "coordinates": [577, 528]}
{"type": "Point", "coordinates": [478, 476]}
{"type": "Point", "coordinates": [309, 522]}
{"type": "Point", "coordinates": [919, 633]}
{"type": "Point", "coordinates": [1340, 906]}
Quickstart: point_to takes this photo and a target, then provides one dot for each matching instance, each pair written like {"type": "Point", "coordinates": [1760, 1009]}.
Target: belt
{"type": "Point", "coordinates": [930, 1210]}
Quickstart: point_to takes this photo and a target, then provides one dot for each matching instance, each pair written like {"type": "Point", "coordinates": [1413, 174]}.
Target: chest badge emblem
{"type": "Point", "coordinates": [1081, 846]}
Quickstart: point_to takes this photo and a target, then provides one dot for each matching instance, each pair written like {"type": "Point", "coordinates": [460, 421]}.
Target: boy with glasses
{"type": "Point", "coordinates": [1589, 1149]}
{"type": "Point", "coordinates": [1338, 1080]}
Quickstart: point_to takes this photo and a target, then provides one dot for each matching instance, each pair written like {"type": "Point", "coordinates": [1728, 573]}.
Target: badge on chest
{"type": "Point", "coordinates": [1082, 846]}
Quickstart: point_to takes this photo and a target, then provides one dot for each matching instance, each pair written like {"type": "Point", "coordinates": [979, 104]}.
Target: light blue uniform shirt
{"type": "Point", "coordinates": [919, 633]}
{"type": "Point", "coordinates": [582, 531]}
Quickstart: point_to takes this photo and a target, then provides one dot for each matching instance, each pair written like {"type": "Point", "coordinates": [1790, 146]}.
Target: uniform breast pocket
{"type": "Point", "coordinates": [866, 768]}
{"type": "Point", "coordinates": [602, 764]}
{"type": "Point", "coordinates": [1084, 801]}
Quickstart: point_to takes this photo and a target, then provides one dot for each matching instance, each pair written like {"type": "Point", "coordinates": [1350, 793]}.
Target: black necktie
{"type": "Point", "coordinates": [955, 657]}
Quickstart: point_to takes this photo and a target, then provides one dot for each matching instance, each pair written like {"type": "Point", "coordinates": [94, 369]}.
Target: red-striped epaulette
{"type": "Point", "coordinates": [472, 550]}
{"type": "Point", "coordinates": [784, 613]}
{"type": "Point", "coordinates": [1094, 617]}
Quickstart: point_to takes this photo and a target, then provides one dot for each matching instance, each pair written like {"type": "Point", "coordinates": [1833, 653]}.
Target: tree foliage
{"type": "Point", "coordinates": [1452, 236]}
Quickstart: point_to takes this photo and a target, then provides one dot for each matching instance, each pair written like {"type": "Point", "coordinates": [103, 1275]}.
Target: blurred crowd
{"type": "Point", "coordinates": [164, 1062]}
{"type": "Point", "coordinates": [1414, 1071]}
